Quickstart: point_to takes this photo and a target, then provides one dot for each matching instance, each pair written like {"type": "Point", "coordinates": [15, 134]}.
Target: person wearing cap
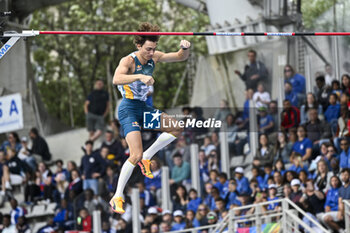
{"type": "Point", "coordinates": [212, 218]}
{"type": "Point", "coordinates": [167, 216]}
{"type": "Point", "coordinates": [242, 182]}
{"type": "Point", "coordinates": [179, 223]}
{"type": "Point", "coordinates": [296, 192]}
{"type": "Point", "coordinates": [151, 217]}
{"type": "Point", "coordinates": [265, 121]}
{"type": "Point", "coordinates": [272, 197]}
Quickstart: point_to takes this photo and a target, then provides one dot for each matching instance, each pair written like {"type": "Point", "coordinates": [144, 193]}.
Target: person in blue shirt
{"type": "Point", "coordinates": [154, 184]}
{"type": "Point", "coordinates": [297, 81]}
{"type": "Point", "coordinates": [242, 182]}
{"type": "Point", "coordinates": [214, 180]}
{"type": "Point", "coordinates": [297, 164]}
{"type": "Point", "coordinates": [303, 145]}
{"type": "Point", "coordinates": [179, 224]}
{"type": "Point", "coordinates": [290, 94]}
{"type": "Point", "coordinates": [272, 197]}
{"type": "Point", "coordinates": [331, 204]}
{"type": "Point", "coordinates": [249, 96]}
{"type": "Point", "coordinates": [194, 200]}
{"type": "Point", "coordinates": [268, 174]}
{"type": "Point", "coordinates": [256, 175]}
{"type": "Point", "coordinates": [345, 154]}
{"type": "Point", "coordinates": [11, 142]}
{"type": "Point", "coordinates": [266, 123]}
{"type": "Point", "coordinates": [332, 112]}
{"type": "Point", "coordinates": [224, 182]}
{"type": "Point", "coordinates": [231, 196]}
{"type": "Point", "coordinates": [16, 211]}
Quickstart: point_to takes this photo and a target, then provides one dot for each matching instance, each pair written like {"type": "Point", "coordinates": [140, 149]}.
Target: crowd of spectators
{"type": "Point", "coordinates": [303, 155]}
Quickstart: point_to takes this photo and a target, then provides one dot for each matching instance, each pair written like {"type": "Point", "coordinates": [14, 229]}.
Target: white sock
{"type": "Point", "coordinates": [125, 174]}
{"type": "Point", "coordinates": [162, 141]}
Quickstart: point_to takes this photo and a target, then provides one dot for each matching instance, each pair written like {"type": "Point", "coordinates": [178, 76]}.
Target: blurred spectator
{"type": "Point", "coordinates": [224, 182]}
{"type": "Point", "coordinates": [297, 81]}
{"type": "Point", "coordinates": [165, 227]}
{"type": "Point", "coordinates": [193, 201]}
{"type": "Point", "coordinates": [32, 190]}
{"type": "Point", "coordinates": [16, 211]}
{"type": "Point", "coordinates": [84, 220]}
{"type": "Point", "coordinates": [179, 223]}
{"type": "Point", "coordinates": [254, 72]}
{"type": "Point", "coordinates": [115, 148]}
{"type": "Point", "coordinates": [278, 180]}
{"type": "Point", "coordinates": [25, 155]}
{"type": "Point", "coordinates": [304, 145]}
{"type": "Point", "coordinates": [8, 227]}
{"type": "Point", "coordinates": [151, 217]}
{"type": "Point", "coordinates": [154, 184]}
{"type": "Point", "coordinates": [213, 161]}
{"type": "Point", "coordinates": [283, 149]}
{"type": "Point", "coordinates": [315, 197]}
{"type": "Point", "coordinates": [298, 164]}
{"type": "Point", "coordinates": [96, 108]}
{"type": "Point", "coordinates": [106, 227]}
{"type": "Point", "coordinates": [265, 121]}
{"type": "Point", "coordinates": [345, 83]}
{"type": "Point", "coordinates": [345, 154]}
{"type": "Point", "coordinates": [40, 149]}
{"type": "Point", "coordinates": [223, 111]}
{"type": "Point", "coordinates": [273, 112]}
{"type": "Point", "coordinates": [149, 199]}
{"type": "Point", "coordinates": [22, 226]}
{"type": "Point", "coordinates": [190, 220]}
{"type": "Point", "coordinates": [214, 179]}
{"type": "Point", "coordinates": [203, 166]}
{"type": "Point", "coordinates": [246, 108]}
{"type": "Point", "coordinates": [344, 192]}
{"type": "Point", "coordinates": [183, 149]}
{"type": "Point", "coordinates": [202, 211]}
{"type": "Point", "coordinates": [111, 180]}
{"type": "Point", "coordinates": [322, 92]}
{"type": "Point", "coordinates": [242, 182]}
{"type": "Point", "coordinates": [336, 89]}
{"type": "Point", "coordinates": [287, 190]}
{"type": "Point", "coordinates": [311, 102]}
{"type": "Point", "coordinates": [343, 130]}
{"type": "Point", "coordinates": [220, 205]}
{"type": "Point", "coordinates": [11, 142]}
{"type": "Point", "coordinates": [290, 116]}
{"type": "Point", "coordinates": [181, 200]}
{"type": "Point", "coordinates": [261, 97]}
{"type": "Point", "coordinates": [332, 112]}
{"type": "Point", "coordinates": [44, 180]}
{"type": "Point", "coordinates": [49, 227]}
{"type": "Point", "coordinates": [329, 74]}
{"type": "Point", "coordinates": [290, 94]}
{"type": "Point", "coordinates": [76, 183]}
{"type": "Point", "coordinates": [272, 191]}
{"type": "Point", "coordinates": [231, 196]}
{"type": "Point", "coordinates": [318, 131]}
{"type": "Point", "coordinates": [331, 205]}
{"type": "Point", "coordinates": [181, 170]}
{"type": "Point", "coordinates": [64, 215]}
{"type": "Point", "coordinates": [296, 192]}
{"type": "Point", "coordinates": [265, 153]}
{"type": "Point", "coordinates": [212, 219]}
{"type": "Point", "coordinates": [91, 167]}
{"type": "Point", "coordinates": [279, 167]}
{"type": "Point", "coordinates": [323, 177]}
{"type": "Point", "coordinates": [12, 171]}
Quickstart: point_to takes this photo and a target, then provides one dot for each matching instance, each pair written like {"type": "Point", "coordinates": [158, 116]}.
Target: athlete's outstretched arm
{"type": "Point", "coordinates": [122, 76]}
{"type": "Point", "coordinates": [180, 55]}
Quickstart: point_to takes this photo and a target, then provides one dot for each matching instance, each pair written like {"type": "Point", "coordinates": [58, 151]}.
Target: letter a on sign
{"type": "Point", "coordinates": [13, 107]}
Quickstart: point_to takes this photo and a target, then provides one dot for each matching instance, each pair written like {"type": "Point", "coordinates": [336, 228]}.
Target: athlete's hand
{"type": "Point", "coordinates": [184, 44]}
{"type": "Point", "coordinates": [148, 80]}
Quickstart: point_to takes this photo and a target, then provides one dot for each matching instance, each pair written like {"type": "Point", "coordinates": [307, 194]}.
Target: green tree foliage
{"type": "Point", "coordinates": [72, 63]}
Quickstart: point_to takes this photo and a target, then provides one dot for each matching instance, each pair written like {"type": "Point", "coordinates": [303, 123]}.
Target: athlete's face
{"type": "Point", "coordinates": [147, 49]}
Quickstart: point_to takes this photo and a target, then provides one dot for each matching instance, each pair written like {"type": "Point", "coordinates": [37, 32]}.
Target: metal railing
{"type": "Point", "coordinates": [347, 213]}
{"type": "Point", "coordinates": [285, 218]}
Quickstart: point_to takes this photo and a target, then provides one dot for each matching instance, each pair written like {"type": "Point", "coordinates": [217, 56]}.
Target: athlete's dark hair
{"type": "Point", "coordinates": [146, 27]}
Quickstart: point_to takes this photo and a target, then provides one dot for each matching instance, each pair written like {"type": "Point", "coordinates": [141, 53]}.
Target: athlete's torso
{"type": "Point", "coordinates": [137, 90]}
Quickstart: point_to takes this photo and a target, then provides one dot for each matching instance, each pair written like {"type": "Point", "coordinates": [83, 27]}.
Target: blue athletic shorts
{"type": "Point", "coordinates": [130, 114]}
